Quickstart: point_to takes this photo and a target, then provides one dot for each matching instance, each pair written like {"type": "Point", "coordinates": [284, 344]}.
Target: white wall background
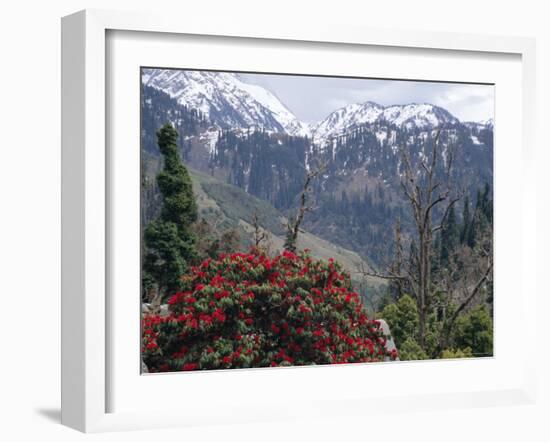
{"type": "Point", "coordinates": [30, 216]}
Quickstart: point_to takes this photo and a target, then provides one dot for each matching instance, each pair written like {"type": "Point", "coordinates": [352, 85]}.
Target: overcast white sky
{"type": "Point", "coordinates": [313, 98]}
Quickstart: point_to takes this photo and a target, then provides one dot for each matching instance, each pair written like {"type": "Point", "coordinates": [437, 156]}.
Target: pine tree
{"type": "Point", "coordinates": [169, 239]}
{"type": "Point", "coordinates": [475, 331]}
{"type": "Point", "coordinates": [466, 220]}
{"type": "Point", "coordinates": [483, 215]}
{"type": "Point", "coordinates": [449, 236]}
{"type": "Point", "coordinates": [471, 236]}
{"type": "Point", "coordinates": [345, 202]}
{"type": "Point", "coordinates": [487, 204]}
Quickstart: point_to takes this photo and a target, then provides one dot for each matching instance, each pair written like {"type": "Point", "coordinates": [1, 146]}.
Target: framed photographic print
{"type": "Point", "coordinates": [286, 222]}
{"type": "Point", "coordinates": [262, 231]}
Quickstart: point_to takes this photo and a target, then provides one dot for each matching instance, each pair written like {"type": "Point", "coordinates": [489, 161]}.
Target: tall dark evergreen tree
{"type": "Point", "coordinates": [487, 203]}
{"type": "Point", "coordinates": [471, 236]}
{"type": "Point", "coordinates": [449, 236]}
{"type": "Point", "coordinates": [483, 215]}
{"type": "Point", "coordinates": [169, 239]}
{"type": "Point", "coordinates": [157, 107]}
{"type": "Point", "coordinates": [345, 202]}
{"type": "Point", "coordinates": [466, 221]}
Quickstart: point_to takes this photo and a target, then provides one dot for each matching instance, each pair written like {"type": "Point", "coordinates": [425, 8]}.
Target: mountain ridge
{"type": "Point", "coordinates": [225, 99]}
{"type": "Point", "coordinates": [408, 116]}
{"type": "Point", "coordinates": [229, 102]}
{"type": "Point", "coordinates": [359, 194]}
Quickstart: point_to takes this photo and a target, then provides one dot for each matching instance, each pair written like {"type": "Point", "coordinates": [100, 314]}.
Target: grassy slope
{"type": "Point", "coordinates": [228, 206]}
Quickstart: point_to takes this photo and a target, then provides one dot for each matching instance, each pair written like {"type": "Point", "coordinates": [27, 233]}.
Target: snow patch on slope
{"type": "Point", "coordinates": [409, 116]}
{"type": "Point", "coordinates": [226, 100]}
{"type": "Point", "coordinates": [420, 116]}
{"type": "Point", "coordinates": [342, 119]}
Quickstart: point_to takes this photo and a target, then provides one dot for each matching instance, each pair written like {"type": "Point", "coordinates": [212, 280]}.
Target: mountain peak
{"type": "Point", "coordinates": [412, 115]}
{"type": "Point", "coordinates": [487, 123]}
{"type": "Point", "coordinates": [417, 115]}
{"type": "Point", "coordinates": [230, 102]}
{"type": "Point", "coordinates": [345, 118]}
{"type": "Point", "coordinates": [226, 100]}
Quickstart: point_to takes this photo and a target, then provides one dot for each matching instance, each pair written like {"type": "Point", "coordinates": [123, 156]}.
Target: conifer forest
{"type": "Point", "coordinates": [276, 234]}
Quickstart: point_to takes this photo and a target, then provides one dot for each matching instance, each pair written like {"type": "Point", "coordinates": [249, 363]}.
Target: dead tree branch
{"type": "Point", "coordinates": [293, 223]}
{"type": "Point", "coordinates": [260, 235]}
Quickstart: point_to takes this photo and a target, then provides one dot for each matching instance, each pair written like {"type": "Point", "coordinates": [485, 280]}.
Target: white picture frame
{"type": "Point", "coordinates": [87, 203]}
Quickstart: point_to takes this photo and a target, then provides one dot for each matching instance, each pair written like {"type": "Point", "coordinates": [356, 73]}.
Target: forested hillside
{"type": "Point", "coordinates": [399, 196]}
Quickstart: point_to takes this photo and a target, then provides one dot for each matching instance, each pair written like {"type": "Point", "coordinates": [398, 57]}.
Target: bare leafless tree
{"type": "Point", "coordinates": [261, 236]}
{"type": "Point", "coordinates": [425, 194]}
{"type": "Point", "coordinates": [294, 222]}
{"type": "Point", "coordinates": [465, 276]}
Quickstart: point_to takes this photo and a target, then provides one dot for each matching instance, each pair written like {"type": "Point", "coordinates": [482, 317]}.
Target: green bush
{"type": "Point", "coordinates": [410, 350]}
{"type": "Point", "coordinates": [450, 353]}
{"type": "Point", "coordinates": [250, 310]}
{"type": "Point", "coordinates": [475, 330]}
{"type": "Point", "coordinates": [402, 318]}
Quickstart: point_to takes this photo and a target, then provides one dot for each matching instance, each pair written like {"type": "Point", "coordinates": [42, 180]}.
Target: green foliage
{"type": "Point", "coordinates": [410, 350]}
{"type": "Point", "coordinates": [434, 329]}
{"type": "Point", "coordinates": [475, 330]}
{"type": "Point", "coordinates": [157, 107]}
{"type": "Point", "coordinates": [482, 218]}
{"type": "Point", "coordinates": [472, 333]}
{"type": "Point", "coordinates": [169, 239]}
{"type": "Point", "coordinates": [250, 310]}
{"type": "Point", "coordinates": [275, 163]}
{"type": "Point", "coordinates": [458, 353]}
{"type": "Point", "coordinates": [239, 205]}
{"type": "Point", "coordinates": [449, 236]}
{"type": "Point", "coordinates": [465, 229]}
{"type": "Point", "coordinates": [402, 318]}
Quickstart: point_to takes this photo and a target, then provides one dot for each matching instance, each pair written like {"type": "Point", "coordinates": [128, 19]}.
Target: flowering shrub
{"type": "Point", "coordinates": [250, 310]}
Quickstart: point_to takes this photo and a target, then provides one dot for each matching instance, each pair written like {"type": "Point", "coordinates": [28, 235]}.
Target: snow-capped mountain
{"type": "Point", "coordinates": [420, 116]}
{"type": "Point", "coordinates": [231, 103]}
{"type": "Point", "coordinates": [479, 126]}
{"type": "Point", "coordinates": [489, 123]}
{"type": "Point", "coordinates": [345, 119]}
{"type": "Point", "coordinates": [361, 146]}
{"type": "Point", "coordinates": [226, 100]}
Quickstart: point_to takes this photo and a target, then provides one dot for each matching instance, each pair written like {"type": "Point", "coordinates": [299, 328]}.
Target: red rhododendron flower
{"type": "Point", "coordinates": [250, 310]}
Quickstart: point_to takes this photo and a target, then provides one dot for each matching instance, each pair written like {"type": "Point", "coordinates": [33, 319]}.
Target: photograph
{"type": "Point", "coordinates": [254, 222]}
{"type": "Point", "coordinates": [297, 220]}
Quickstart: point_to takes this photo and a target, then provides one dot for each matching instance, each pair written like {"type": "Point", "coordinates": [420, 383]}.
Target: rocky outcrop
{"type": "Point", "coordinates": [151, 309]}
{"type": "Point", "coordinates": [390, 343]}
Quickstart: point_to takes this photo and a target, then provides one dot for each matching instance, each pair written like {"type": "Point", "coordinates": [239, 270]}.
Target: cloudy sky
{"type": "Point", "coordinates": [313, 98]}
